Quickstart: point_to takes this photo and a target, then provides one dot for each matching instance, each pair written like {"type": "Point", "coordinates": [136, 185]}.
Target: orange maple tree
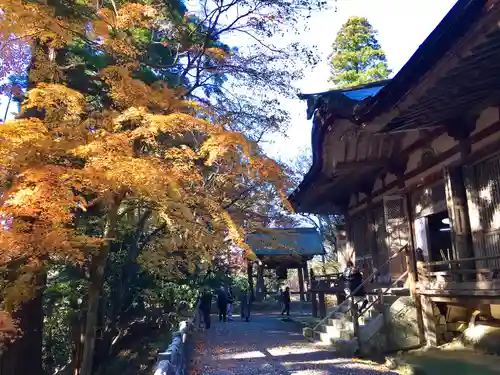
{"type": "Point", "coordinates": [146, 147]}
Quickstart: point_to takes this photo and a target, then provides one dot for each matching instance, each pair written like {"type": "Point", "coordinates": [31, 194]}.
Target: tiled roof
{"type": "Point", "coordinates": [302, 241]}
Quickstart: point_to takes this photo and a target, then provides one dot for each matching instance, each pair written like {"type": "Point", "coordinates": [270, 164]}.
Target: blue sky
{"type": "Point", "coordinates": [402, 26]}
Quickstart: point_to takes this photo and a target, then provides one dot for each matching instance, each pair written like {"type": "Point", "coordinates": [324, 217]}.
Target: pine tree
{"type": "Point", "coordinates": [357, 56]}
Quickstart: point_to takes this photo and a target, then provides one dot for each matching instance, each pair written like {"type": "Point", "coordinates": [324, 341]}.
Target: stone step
{"type": "Point", "coordinates": [338, 331]}
{"type": "Point", "coordinates": [332, 332]}
{"type": "Point", "coordinates": [324, 337]}
{"type": "Point", "coordinates": [341, 317]}
{"type": "Point", "coordinates": [330, 338]}
{"type": "Point", "coordinates": [342, 326]}
{"type": "Point", "coordinates": [337, 323]}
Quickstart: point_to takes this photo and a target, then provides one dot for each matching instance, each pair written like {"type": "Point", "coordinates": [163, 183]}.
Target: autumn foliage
{"type": "Point", "coordinates": [80, 159]}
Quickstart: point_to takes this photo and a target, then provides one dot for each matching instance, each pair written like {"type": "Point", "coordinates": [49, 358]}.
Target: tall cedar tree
{"type": "Point", "coordinates": [357, 56]}
{"type": "Point", "coordinates": [124, 141]}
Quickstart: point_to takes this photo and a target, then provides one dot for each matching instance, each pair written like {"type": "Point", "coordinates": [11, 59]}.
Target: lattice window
{"type": "Point", "coordinates": [382, 249]}
{"type": "Point", "coordinates": [396, 221]}
{"type": "Point", "coordinates": [483, 197]}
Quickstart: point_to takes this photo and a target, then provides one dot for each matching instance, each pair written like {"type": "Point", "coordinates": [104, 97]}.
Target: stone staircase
{"type": "Point", "coordinates": [338, 330]}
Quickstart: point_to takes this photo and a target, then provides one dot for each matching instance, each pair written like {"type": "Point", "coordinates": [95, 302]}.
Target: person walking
{"type": "Point", "coordinates": [206, 306]}
{"type": "Point", "coordinates": [230, 300]}
{"type": "Point", "coordinates": [286, 302]}
{"type": "Point", "coordinates": [348, 276]}
{"type": "Point", "coordinates": [246, 304]}
{"type": "Point", "coordinates": [282, 298]}
{"type": "Point", "coordinates": [222, 304]}
{"type": "Point", "coordinates": [353, 287]}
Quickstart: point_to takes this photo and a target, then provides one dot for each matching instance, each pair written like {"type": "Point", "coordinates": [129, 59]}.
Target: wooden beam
{"type": "Point", "coordinates": [466, 300]}
{"type": "Point", "coordinates": [361, 164]}
{"type": "Point", "coordinates": [442, 156]}
{"type": "Point", "coordinates": [492, 286]}
{"type": "Point", "coordinates": [459, 293]}
{"type": "Point", "coordinates": [460, 128]}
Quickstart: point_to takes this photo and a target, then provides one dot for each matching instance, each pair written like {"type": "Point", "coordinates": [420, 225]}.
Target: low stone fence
{"type": "Point", "coordinates": [173, 361]}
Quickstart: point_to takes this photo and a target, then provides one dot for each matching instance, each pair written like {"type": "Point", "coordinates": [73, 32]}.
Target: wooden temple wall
{"type": "Point", "coordinates": [424, 185]}
{"type": "Point", "coordinates": [368, 240]}
{"type": "Point", "coordinates": [381, 250]}
{"type": "Point", "coordinates": [359, 241]}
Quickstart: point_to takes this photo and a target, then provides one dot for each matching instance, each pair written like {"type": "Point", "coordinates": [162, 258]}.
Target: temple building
{"type": "Point", "coordinates": [281, 250]}
{"type": "Point", "coordinates": [415, 161]}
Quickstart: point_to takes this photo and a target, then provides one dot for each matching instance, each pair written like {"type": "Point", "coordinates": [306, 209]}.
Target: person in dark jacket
{"type": "Point", "coordinates": [354, 280]}
{"type": "Point", "coordinates": [230, 300]}
{"type": "Point", "coordinates": [206, 307]}
{"type": "Point", "coordinates": [286, 302]}
{"type": "Point", "coordinates": [222, 304]}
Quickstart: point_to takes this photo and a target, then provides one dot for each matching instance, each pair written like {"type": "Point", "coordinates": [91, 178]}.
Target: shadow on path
{"type": "Point", "coordinates": [268, 346]}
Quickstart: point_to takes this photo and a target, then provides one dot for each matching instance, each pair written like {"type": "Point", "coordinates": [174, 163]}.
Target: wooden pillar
{"type": "Point", "coordinates": [322, 305]}
{"type": "Point", "coordinates": [301, 284]}
{"type": "Point", "coordinates": [314, 295]}
{"type": "Point", "coordinates": [250, 277]}
{"type": "Point", "coordinates": [348, 254]}
{"type": "Point", "coordinates": [314, 304]}
{"type": "Point", "coordinates": [431, 337]}
{"type": "Point", "coordinates": [307, 280]}
{"type": "Point", "coordinates": [456, 201]}
{"type": "Point", "coordinates": [411, 266]}
{"type": "Point", "coordinates": [355, 322]}
{"type": "Point", "coordinates": [370, 229]}
{"type": "Point", "coordinates": [460, 129]}
{"type": "Point", "coordinates": [260, 292]}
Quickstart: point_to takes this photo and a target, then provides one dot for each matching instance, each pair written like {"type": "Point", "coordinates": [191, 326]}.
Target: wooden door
{"type": "Point", "coordinates": [421, 236]}
{"type": "Point", "coordinates": [398, 231]}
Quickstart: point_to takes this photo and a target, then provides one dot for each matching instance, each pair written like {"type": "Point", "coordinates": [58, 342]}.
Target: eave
{"type": "Point", "coordinates": [468, 87]}
{"type": "Point", "coordinates": [406, 103]}
{"type": "Point", "coordinates": [457, 23]}
{"type": "Point", "coordinates": [326, 108]}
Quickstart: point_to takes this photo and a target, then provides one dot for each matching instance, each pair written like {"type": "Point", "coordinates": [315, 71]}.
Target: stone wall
{"type": "Point", "coordinates": [173, 361]}
{"type": "Point", "coordinates": [400, 329]}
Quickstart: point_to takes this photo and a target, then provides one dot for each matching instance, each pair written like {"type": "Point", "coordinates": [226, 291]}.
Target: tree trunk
{"type": "Point", "coordinates": [8, 104]}
{"type": "Point", "coordinates": [24, 355]}
{"type": "Point", "coordinates": [77, 328]}
{"type": "Point", "coordinates": [98, 264]}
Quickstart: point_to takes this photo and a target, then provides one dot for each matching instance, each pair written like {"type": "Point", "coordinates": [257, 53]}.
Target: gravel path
{"type": "Point", "coordinates": [268, 346]}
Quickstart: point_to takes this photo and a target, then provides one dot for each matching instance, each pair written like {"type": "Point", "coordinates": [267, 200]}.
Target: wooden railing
{"type": "Point", "coordinates": [460, 276]}
{"type": "Point", "coordinates": [460, 270]}
{"type": "Point", "coordinates": [350, 302]}
{"type": "Point", "coordinates": [326, 281]}
{"type": "Point", "coordinates": [173, 360]}
{"type": "Point", "coordinates": [380, 294]}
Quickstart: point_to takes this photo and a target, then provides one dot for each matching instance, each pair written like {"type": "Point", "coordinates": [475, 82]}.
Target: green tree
{"type": "Point", "coordinates": [357, 56]}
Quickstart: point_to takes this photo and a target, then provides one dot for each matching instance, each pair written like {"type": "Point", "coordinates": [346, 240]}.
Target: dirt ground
{"type": "Point", "coordinates": [268, 345]}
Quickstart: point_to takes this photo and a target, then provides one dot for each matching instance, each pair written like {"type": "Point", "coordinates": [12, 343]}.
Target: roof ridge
{"type": "Point", "coordinates": [350, 88]}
